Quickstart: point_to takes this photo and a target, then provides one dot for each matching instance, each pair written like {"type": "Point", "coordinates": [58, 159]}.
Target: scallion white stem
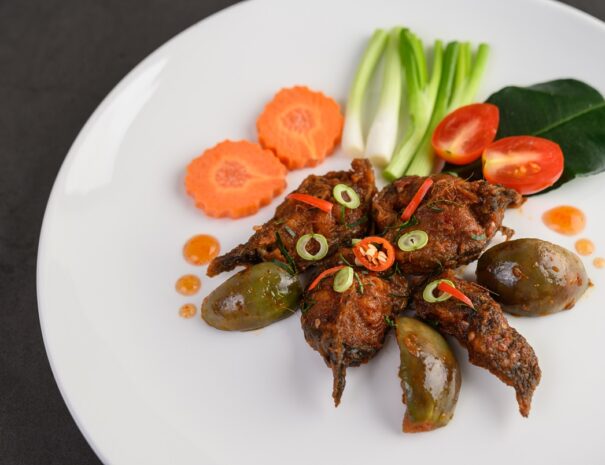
{"type": "Point", "coordinates": [421, 96]}
{"type": "Point", "coordinates": [352, 137]}
{"type": "Point", "coordinates": [422, 163]}
{"type": "Point", "coordinates": [383, 132]}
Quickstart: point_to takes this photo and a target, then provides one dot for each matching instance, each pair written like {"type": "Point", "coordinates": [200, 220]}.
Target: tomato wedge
{"type": "Point", "coordinates": [527, 164]}
{"type": "Point", "coordinates": [462, 136]}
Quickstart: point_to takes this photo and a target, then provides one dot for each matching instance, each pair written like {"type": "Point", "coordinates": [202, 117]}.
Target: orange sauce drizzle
{"type": "Point", "coordinates": [584, 246]}
{"type": "Point", "coordinates": [201, 249]}
{"type": "Point", "coordinates": [599, 262]}
{"type": "Point", "coordinates": [565, 220]}
{"type": "Point", "coordinates": [187, 311]}
{"type": "Point", "coordinates": [188, 284]}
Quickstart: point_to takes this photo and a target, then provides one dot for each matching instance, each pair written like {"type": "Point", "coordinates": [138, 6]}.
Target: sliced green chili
{"type": "Point", "coordinates": [346, 196]}
{"type": "Point", "coordinates": [343, 279]}
{"type": "Point", "coordinates": [413, 240]}
{"type": "Point", "coordinates": [301, 246]}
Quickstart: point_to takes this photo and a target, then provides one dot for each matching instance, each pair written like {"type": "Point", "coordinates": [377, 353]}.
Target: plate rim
{"type": "Point", "coordinates": [71, 153]}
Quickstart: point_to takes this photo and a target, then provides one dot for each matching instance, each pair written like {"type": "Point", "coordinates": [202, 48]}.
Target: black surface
{"type": "Point", "coordinates": [58, 60]}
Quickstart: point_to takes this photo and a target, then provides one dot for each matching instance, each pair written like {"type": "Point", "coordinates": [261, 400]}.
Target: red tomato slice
{"type": "Point", "coordinates": [462, 135]}
{"type": "Point", "coordinates": [525, 163]}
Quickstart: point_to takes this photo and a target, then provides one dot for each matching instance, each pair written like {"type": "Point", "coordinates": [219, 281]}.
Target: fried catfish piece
{"type": "Point", "coordinates": [484, 331]}
{"type": "Point", "coordinates": [349, 328]}
{"type": "Point", "coordinates": [460, 218]}
{"type": "Point", "coordinates": [293, 219]}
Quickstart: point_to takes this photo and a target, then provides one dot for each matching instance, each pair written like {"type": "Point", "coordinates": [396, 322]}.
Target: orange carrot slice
{"type": "Point", "coordinates": [301, 126]}
{"type": "Point", "coordinates": [234, 179]}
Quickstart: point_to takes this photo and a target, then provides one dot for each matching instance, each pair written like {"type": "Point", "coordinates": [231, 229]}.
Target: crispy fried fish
{"type": "Point", "coordinates": [294, 219]}
{"type": "Point", "coordinates": [484, 331]}
{"type": "Point", "coordinates": [459, 217]}
{"type": "Point", "coordinates": [348, 328]}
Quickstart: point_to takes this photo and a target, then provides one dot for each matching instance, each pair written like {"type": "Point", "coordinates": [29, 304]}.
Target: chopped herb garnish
{"type": "Point", "coordinates": [478, 237]}
{"type": "Point", "coordinates": [307, 304]}
{"type": "Point", "coordinates": [389, 321]}
{"type": "Point", "coordinates": [283, 266]}
{"type": "Point", "coordinates": [290, 231]}
{"type": "Point", "coordinates": [290, 263]}
{"type": "Point", "coordinates": [359, 222]}
{"type": "Point", "coordinates": [359, 283]}
{"type": "Point", "coordinates": [413, 221]}
{"type": "Point", "coordinates": [393, 270]}
{"type": "Point", "coordinates": [397, 296]}
{"type": "Point", "coordinates": [344, 260]}
{"type": "Point", "coordinates": [397, 270]}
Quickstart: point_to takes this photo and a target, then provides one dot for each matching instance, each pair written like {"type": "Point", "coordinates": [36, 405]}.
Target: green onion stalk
{"type": "Point", "coordinates": [352, 136]}
{"type": "Point", "coordinates": [383, 131]}
{"type": "Point", "coordinates": [458, 87]}
{"type": "Point", "coordinates": [421, 94]}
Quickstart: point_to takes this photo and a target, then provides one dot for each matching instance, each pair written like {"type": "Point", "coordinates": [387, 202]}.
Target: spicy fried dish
{"type": "Point", "coordinates": [458, 216]}
{"type": "Point", "coordinates": [364, 262]}
{"type": "Point", "coordinates": [347, 322]}
{"type": "Point", "coordinates": [310, 212]}
{"type": "Point", "coordinates": [483, 330]}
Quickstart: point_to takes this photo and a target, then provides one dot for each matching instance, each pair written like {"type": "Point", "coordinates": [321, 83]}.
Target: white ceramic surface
{"type": "Point", "coordinates": [147, 387]}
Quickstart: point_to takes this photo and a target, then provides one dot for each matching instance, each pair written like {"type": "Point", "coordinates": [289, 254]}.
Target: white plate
{"type": "Point", "coordinates": [148, 387]}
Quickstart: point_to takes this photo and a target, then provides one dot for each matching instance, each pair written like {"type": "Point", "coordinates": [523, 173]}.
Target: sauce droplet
{"type": "Point", "coordinates": [188, 284]}
{"type": "Point", "coordinates": [599, 262]}
{"type": "Point", "coordinates": [187, 311]}
{"type": "Point", "coordinates": [584, 246]}
{"type": "Point", "coordinates": [565, 220]}
{"type": "Point", "coordinates": [201, 249]}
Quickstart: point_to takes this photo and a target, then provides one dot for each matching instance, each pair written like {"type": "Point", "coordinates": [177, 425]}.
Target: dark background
{"type": "Point", "coordinates": [58, 60]}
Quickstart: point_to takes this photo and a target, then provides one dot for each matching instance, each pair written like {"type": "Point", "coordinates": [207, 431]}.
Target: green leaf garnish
{"type": "Point", "coordinates": [359, 283]}
{"type": "Point", "coordinates": [359, 222]}
{"type": "Point", "coordinates": [282, 248]}
{"type": "Point", "coordinates": [344, 260]}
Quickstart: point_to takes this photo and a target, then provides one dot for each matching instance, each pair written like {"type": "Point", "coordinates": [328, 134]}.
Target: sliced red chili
{"type": "Point", "coordinates": [418, 196]}
{"type": "Point", "coordinates": [313, 201]}
{"type": "Point", "coordinates": [324, 274]}
{"type": "Point", "coordinates": [455, 293]}
{"type": "Point", "coordinates": [371, 256]}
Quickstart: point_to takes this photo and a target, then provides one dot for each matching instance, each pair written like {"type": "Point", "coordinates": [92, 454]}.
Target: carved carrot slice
{"type": "Point", "coordinates": [301, 126]}
{"type": "Point", "coordinates": [234, 179]}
